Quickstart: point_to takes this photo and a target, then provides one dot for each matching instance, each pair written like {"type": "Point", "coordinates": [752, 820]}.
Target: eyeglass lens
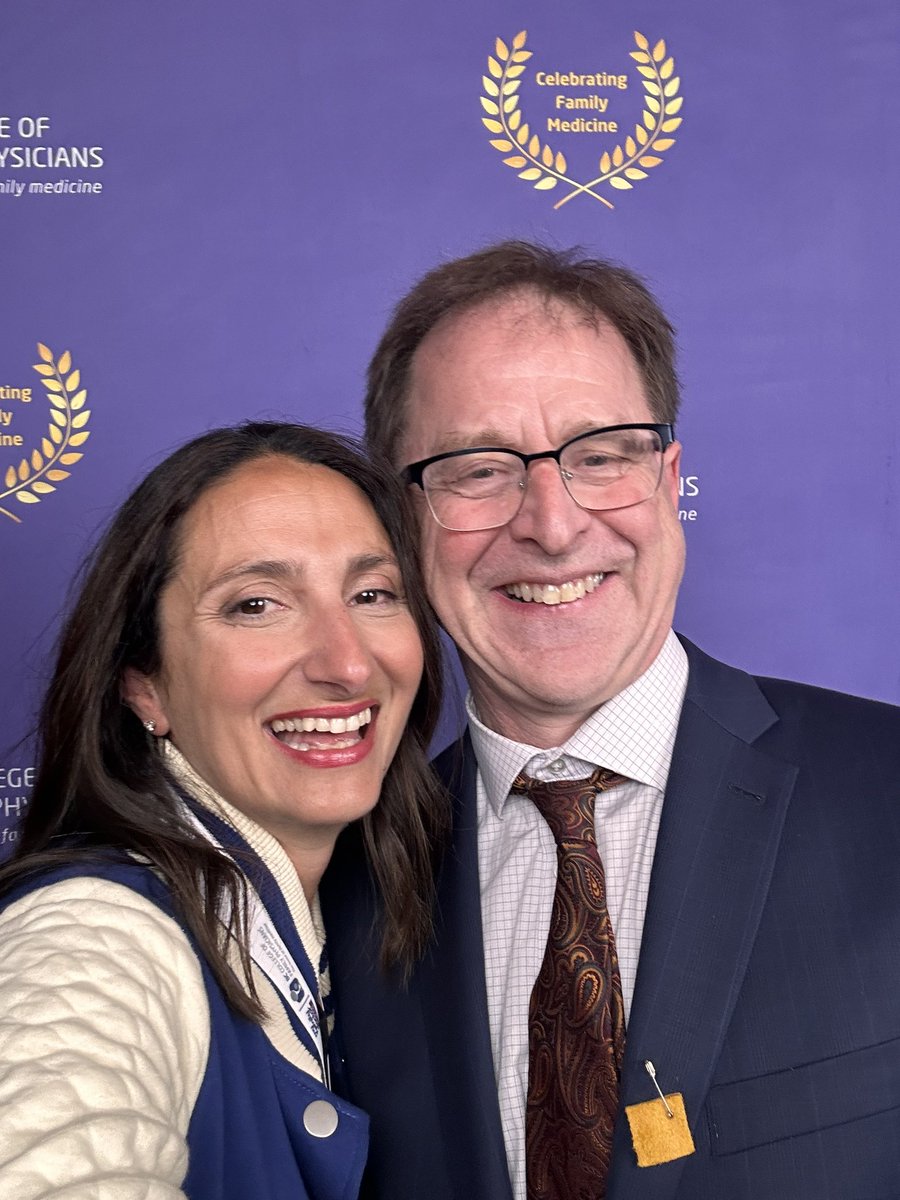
{"type": "Point", "coordinates": [484, 489]}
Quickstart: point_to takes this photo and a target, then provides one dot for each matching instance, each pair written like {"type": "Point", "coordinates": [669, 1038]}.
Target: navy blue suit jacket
{"type": "Point", "coordinates": [768, 987]}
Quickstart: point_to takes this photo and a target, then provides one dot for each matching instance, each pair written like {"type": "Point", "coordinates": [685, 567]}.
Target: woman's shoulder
{"type": "Point", "coordinates": [77, 861]}
{"type": "Point", "coordinates": [114, 918]}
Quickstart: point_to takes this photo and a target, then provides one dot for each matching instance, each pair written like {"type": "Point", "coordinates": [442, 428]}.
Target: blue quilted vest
{"type": "Point", "coordinates": [262, 1129]}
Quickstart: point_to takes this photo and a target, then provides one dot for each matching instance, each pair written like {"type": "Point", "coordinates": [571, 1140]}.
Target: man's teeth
{"type": "Point", "coordinates": [323, 724]}
{"type": "Point", "coordinates": [551, 593]}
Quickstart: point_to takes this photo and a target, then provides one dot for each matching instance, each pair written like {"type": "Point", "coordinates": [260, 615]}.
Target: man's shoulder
{"type": "Point", "coordinates": [790, 695]}
{"type": "Point", "coordinates": [840, 732]}
{"type": "Point", "coordinates": [802, 713]}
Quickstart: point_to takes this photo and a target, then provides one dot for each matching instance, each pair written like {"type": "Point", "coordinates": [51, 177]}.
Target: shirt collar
{"type": "Point", "coordinates": [307, 917]}
{"type": "Point", "coordinates": [633, 733]}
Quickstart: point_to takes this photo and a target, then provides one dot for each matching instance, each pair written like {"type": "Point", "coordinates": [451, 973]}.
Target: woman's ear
{"type": "Point", "coordinates": [139, 692]}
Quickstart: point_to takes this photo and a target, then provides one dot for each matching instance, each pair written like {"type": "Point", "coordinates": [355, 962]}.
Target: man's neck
{"type": "Point", "coordinates": [537, 721]}
{"type": "Point", "coordinates": [542, 729]}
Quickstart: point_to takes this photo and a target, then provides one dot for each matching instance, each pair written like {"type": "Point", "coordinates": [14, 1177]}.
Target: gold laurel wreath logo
{"type": "Point", "coordinates": [38, 474]}
{"type": "Point", "coordinates": [537, 162]}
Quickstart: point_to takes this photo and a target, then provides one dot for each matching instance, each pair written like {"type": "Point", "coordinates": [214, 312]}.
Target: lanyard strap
{"type": "Point", "coordinates": [271, 955]}
{"type": "Point", "coordinates": [269, 952]}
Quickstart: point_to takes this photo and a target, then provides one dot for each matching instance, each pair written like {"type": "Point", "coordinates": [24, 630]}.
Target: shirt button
{"type": "Point", "coordinates": [320, 1119]}
{"type": "Point", "coordinates": [556, 766]}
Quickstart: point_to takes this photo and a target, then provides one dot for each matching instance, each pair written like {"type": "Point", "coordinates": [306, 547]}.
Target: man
{"type": "Point", "coordinates": [748, 829]}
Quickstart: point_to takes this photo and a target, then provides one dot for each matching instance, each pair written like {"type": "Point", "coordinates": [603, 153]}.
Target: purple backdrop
{"type": "Point", "coordinates": [272, 178]}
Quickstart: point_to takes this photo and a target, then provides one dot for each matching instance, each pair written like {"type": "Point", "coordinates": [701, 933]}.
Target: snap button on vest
{"type": "Point", "coordinates": [320, 1119]}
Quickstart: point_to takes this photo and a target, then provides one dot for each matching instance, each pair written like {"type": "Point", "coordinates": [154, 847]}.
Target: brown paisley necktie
{"type": "Point", "coordinates": [576, 1020]}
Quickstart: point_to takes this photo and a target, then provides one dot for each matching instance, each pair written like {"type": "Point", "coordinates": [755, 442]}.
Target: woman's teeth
{"type": "Point", "coordinates": [286, 729]}
{"type": "Point", "coordinates": [551, 593]}
{"type": "Point", "coordinates": [323, 724]}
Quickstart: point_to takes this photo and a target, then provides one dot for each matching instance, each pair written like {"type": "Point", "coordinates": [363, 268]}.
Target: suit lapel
{"type": "Point", "coordinates": [721, 825]}
{"type": "Point", "coordinates": [454, 1002]}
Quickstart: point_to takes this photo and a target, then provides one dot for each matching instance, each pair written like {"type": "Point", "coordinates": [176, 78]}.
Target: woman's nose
{"type": "Point", "coordinates": [340, 655]}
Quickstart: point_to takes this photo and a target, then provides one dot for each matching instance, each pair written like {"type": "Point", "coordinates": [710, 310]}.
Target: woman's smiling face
{"type": "Point", "coordinates": [290, 659]}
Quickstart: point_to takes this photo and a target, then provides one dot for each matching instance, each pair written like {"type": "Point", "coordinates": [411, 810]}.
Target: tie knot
{"type": "Point", "coordinates": [567, 805]}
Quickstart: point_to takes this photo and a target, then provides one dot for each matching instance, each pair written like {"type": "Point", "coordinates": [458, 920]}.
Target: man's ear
{"type": "Point", "coordinates": [140, 693]}
{"type": "Point", "coordinates": [671, 469]}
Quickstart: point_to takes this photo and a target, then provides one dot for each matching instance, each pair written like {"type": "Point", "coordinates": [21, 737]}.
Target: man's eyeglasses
{"type": "Point", "coordinates": [483, 488]}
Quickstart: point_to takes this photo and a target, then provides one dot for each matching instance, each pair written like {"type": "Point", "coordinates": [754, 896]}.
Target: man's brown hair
{"type": "Point", "coordinates": [598, 290]}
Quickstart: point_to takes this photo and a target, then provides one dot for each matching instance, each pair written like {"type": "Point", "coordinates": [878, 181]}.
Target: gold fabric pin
{"type": "Point", "coordinates": [659, 1128]}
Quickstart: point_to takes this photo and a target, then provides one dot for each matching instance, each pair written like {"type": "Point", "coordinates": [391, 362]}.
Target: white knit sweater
{"type": "Point", "coordinates": [104, 1031]}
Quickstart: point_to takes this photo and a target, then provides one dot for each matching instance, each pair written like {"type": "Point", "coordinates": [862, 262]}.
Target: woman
{"type": "Point", "coordinates": [232, 689]}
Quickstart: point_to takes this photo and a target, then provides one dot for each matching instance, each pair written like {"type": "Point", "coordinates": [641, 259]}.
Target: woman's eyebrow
{"type": "Point", "coordinates": [371, 562]}
{"type": "Point", "coordinates": [279, 568]}
{"type": "Point", "coordinates": [275, 568]}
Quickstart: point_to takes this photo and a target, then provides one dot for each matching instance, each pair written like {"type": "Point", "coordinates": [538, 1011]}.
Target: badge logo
{"type": "Point", "coordinates": [542, 164]}
{"type": "Point", "coordinates": [38, 473]}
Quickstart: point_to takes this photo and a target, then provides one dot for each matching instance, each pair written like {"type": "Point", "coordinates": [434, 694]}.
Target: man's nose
{"type": "Point", "coordinates": [548, 516]}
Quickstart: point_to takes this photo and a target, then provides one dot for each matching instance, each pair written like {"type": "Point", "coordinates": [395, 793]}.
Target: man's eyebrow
{"type": "Point", "coordinates": [469, 441]}
{"type": "Point", "coordinates": [493, 437]}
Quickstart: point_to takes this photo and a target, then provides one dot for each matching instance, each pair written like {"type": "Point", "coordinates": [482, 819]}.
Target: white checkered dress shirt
{"type": "Point", "coordinates": [633, 734]}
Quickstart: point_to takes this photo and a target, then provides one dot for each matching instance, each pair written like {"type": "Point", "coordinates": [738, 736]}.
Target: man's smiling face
{"type": "Point", "coordinates": [529, 374]}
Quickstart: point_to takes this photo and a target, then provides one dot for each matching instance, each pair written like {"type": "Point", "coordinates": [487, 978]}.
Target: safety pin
{"type": "Point", "coordinates": [651, 1071]}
